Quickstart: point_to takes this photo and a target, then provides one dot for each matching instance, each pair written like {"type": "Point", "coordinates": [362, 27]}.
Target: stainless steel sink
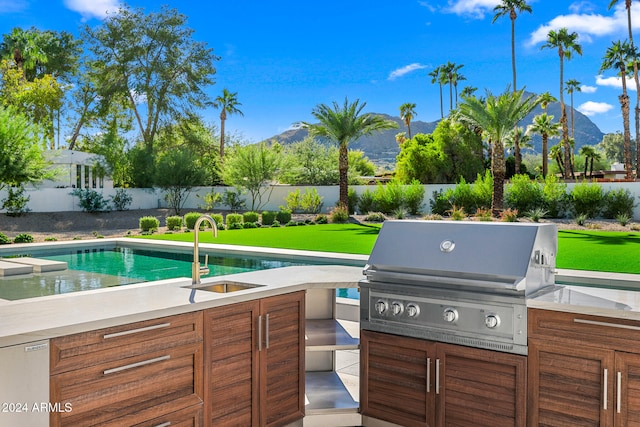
{"type": "Point", "coordinates": [224, 287]}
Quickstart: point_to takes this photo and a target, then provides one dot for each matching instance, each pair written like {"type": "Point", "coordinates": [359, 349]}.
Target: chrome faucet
{"type": "Point", "coordinates": [196, 270]}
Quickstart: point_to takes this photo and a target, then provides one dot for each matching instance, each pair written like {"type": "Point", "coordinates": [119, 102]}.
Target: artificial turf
{"type": "Point", "coordinates": [577, 249]}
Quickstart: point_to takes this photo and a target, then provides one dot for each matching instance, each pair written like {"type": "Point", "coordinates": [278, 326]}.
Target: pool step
{"type": "Point", "coordinates": [35, 265]}
{"type": "Point", "coordinates": [14, 269]}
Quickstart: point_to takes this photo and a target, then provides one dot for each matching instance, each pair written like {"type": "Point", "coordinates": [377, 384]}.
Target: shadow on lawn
{"type": "Point", "coordinates": [359, 228]}
{"type": "Point", "coordinates": [615, 238]}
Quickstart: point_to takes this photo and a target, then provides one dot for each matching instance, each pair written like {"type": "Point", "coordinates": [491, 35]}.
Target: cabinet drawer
{"type": "Point", "coordinates": [596, 331]}
{"type": "Point", "coordinates": [131, 390]}
{"type": "Point", "coordinates": [119, 342]}
{"type": "Point", "coordinates": [189, 417]}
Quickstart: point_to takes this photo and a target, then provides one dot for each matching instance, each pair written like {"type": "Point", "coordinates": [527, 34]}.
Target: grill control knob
{"type": "Point", "coordinates": [450, 315]}
{"type": "Point", "coordinates": [492, 321]}
{"type": "Point", "coordinates": [381, 307]}
{"type": "Point", "coordinates": [397, 308]}
{"type": "Point", "coordinates": [412, 310]}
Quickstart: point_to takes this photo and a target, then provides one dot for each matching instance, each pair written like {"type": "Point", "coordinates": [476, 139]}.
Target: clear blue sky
{"type": "Point", "coordinates": [283, 57]}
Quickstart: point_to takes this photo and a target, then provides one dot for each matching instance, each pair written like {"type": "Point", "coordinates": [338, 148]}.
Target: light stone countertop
{"type": "Point", "coordinates": [40, 318]}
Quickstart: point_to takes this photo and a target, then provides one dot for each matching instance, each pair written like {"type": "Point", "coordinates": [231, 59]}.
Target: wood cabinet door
{"type": "Point", "coordinates": [570, 385]}
{"type": "Point", "coordinates": [282, 359]}
{"type": "Point", "coordinates": [480, 387]}
{"type": "Point", "coordinates": [627, 405]}
{"type": "Point", "coordinates": [395, 382]}
{"type": "Point", "coordinates": [231, 365]}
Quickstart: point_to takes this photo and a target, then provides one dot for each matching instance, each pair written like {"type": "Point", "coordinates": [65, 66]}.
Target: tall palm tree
{"type": "Point", "coordinates": [573, 86]}
{"type": "Point", "coordinates": [566, 43]}
{"type": "Point", "coordinates": [511, 8]}
{"type": "Point", "coordinates": [407, 113]}
{"type": "Point", "coordinates": [627, 5]}
{"type": "Point", "coordinates": [544, 126]}
{"type": "Point", "coordinates": [24, 48]}
{"type": "Point", "coordinates": [497, 116]}
{"type": "Point", "coordinates": [468, 91]}
{"type": "Point", "coordinates": [545, 99]}
{"type": "Point", "coordinates": [343, 124]}
{"type": "Point", "coordinates": [436, 77]}
{"type": "Point", "coordinates": [450, 70]}
{"type": "Point", "coordinates": [228, 104]}
{"type": "Point", "coordinates": [457, 77]}
{"type": "Point", "coordinates": [556, 154]}
{"type": "Point", "coordinates": [590, 154]}
{"type": "Point", "coordinates": [616, 57]}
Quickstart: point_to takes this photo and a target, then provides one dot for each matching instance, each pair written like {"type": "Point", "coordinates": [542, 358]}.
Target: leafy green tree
{"type": "Point", "coordinates": [21, 144]}
{"type": "Point", "coordinates": [566, 43]}
{"type": "Point", "coordinates": [612, 145]}
{"type": "Point", "coordinates": [544, 126]}
{"type": "Point", "coordinates": [177, 172]}
{"type": "Point", "coordinates": [228, 104]}
{"type": "Point", "coordinates": [153, 62]}
{"type": "Point", "coordinates": [407, 113]}
{"type": "Point", "coordinates": [496, 117]}
{"type": "Point", "coordinates": [252, 168]}
{"type": "Point", "coordinates": [617, 57]}
{"type": "Point", "coordinates": [309, 162]}
{"type": "Point", "coordinates": [343, 125]}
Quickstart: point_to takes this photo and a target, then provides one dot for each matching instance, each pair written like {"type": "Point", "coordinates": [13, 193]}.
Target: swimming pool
{"type": "Point", "coordinates": [102, 266]}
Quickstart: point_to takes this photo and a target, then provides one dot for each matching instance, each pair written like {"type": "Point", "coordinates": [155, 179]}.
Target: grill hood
{"type": "Point", "coordinates": [513, 257]}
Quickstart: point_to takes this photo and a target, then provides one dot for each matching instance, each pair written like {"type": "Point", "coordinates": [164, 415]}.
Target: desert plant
{"type": "Point", "coordinates": [536, 214]}
{"type": "Point", "coordinates": [483, 215]}
{"type": "Point", "coordinates": [211, 199]}
{"type": "Point", "coordinates": [339, 214]}
{"type": "Point", "coordinates": [581, 219]}
{"type": "Point", "coordinates": [190, 219]}
{"type": "Point", "coordinates": [267, 217]}
{"type": "Point", "coordinates": [23, 238]}
{"type": "Point", "coordinates": [433, 217]}
{"type": "Point", "coordinates": [509, 215]}
{"type": "Point", "coordinates": [311, 201]}
{"type": "Point", "coordinates": [250, 217]}
{"type": "Point", "coordinates": [121, 200]}
{"type": "Point", "coordinates": [97, 235]}
{"type": "Point", "coordinates": [365, 202]}
{"type": "Point", "coordinates": [321, 219]}
{"type": "Point", "coordinates": [174, 222]}
{"type": "Point", "coordinates": [233, 219]}
{"type": "Point", "coordinates": [623, 219]}
{"type": "Point", "coordinates": [587, 199]}
{"type": "Point", "coordinates": [50, 239]}
{"type": "Point", "coordinates": [149, 223]}
{"type": "Point", "coordinates": [4, 240]}
{"type": "Point", "coordinates": [283, 216]}
{"type": "Point", "coordinates": [400, 213]}
{"type": "Point", "coordinates": [414, 197]}
{"type": "Point", "coordinates": [617, 202]}
{"type": "Point", "coordinates": [375, 217]}
{"type": "Point", "coordinates": [457, 214]}
{"type": "Point", "coordinates": [293, 200]}
{"type": "Point", "coordinates": [233, 199]}
{"type": "Point", "coordinates": [16, 202]}
{"type": "Point", "coordinates": [90, 200]}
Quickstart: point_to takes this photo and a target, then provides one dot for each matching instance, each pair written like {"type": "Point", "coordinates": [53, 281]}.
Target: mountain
{"type": "Point", "coordinates": [381, 148]}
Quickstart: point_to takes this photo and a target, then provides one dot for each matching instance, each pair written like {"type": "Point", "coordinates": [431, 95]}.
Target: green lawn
{"type": "Point", "coordinates": [579, 250]}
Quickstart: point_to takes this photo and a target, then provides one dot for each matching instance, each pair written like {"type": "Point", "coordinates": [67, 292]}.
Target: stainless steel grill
{"type": "Point", "coordinates": [457, 282]}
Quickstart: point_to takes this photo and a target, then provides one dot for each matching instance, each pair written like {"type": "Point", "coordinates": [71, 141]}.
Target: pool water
{"type": "Point", "coordinates": [101, 268]}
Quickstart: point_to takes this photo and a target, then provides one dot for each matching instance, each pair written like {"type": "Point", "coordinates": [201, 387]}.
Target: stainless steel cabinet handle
{"type": "Point", "coordinates": [266, 331]}
{"type": "Point", "coordinates": [135, 331]}
{"type": "Point", "coordinates": [167, 424]}
{"type": "Point", "coordinates": [136, 365]}
{"type": "Point", "coordinates": [618, 391]}
{"type": "Point", "coordinates": [259, 333]}
{"type": "Point", "coordinates": [605, 394]}
{"type": "Point", "coordinates": [611, 325]}
{"type": "Point", "coordinates": [428, 375]}
{"type": "Point", "coordinates": [437, 376]}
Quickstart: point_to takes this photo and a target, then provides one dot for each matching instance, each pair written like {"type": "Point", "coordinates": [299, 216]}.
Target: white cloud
{"type": "Point", "coordinates": [405, 70]}
{"type": "Point", "coordinates": [93, 8]}
{"type": "Point", "coordinates": [615, 82]}
{"type": "Point", "coordinates": [12, 6]}
{"type": "Point", "coordinates": [586, 25]}
{"type": "Point", "coordinates": [473, 8]}
{"type": "Point", "coordinates": [588, 89]}
{"type": "Point", "coordinates": [591, 108]}
{"type": "Point", "coordinates": [581, 6]}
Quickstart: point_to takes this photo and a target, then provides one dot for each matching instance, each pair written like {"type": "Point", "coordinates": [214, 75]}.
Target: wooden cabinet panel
{"type": "Point", "coordinates": [395, 383]}
{"type": "Point", "coordinates": [627, 405]}
{"type": "Point", "coordinates": [188, 417]}
{"type": "Point", "coordinates": [90, 348]}
{"type": "Point", "coordinates": [481, 387]}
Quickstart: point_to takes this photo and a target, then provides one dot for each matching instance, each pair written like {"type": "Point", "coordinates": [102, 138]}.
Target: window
{"type": "Point", "coordinates": [78, 176]}
{"type": "Point", "coordinates": [86, 176]}
{"type": "Point", "coordinates": [94, 174]}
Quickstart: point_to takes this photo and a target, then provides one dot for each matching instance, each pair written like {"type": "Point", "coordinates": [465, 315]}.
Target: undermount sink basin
{"type": "Point", "coordinates": [224, 287]}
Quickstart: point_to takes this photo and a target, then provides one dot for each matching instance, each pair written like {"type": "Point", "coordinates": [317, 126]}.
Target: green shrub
{"type": "Point", "coordinates": [587, 199]}
{"type": "Point", "coordinates": [283, 216]}
{"type": "Point", "coordinates": [293, 200]}
{"type": "Point", "coordinates": [536, 214]}
{"type": "Point", "coordinates": [483, 215]}
{"type": "Point", "coordinates": [339, 214]}
{"type": "Point", "coordinates": [276, 223]}
{"type": "Point", "coordinates": [311, 202]}
{"type": "Point", "coordinates": [190, 219]}
{"type": "Point", "coordinates": [16, 202]}
{"type": "Point", "coordinates": [375, 217]}
{"type": "Point", "coordinates": [121, 200]}
{"type": "Point", "coordinates": [23, 238]}
{"type": "Point", "coordinates": [268, 217]}
{"type": "Point", "coordinates": [233, 219]}
{"type": "Point", "coordinates": [581, 219]}
{"type": "Point", "coordinates": [556, 199]}
{"type": "Point", "coordinates": [250, 225]}
{"type": "Point", "coordinates": [414, 197]}
{"type": "Point", "coordinates": [365, 202]}
{"type": "Point", "coordinates": [388, 198]}
{"type": "Point", "coordinates": [233, 199]}
{"type": "Point", "coordinates": [440, 203]}
{"type": "Point", "coordinates": [400, 213]}
{"type": "Point", "coordinates": [50, 239]}
{"type": "Point", "coordinates": [174, 222]}
{"type": "Point", "coordinates": [235, 225]}
{"type": "Point", "coordinates": [218, 220]}
{"type": "Point", "coordinates": [618, 202]}
{"type": "Point", "coordinates": [321, 219]}
{"type": "Point", "coordinates": [524, 194]}
{"type": "Point", "coordinates": [250, 216]}
{"type": "Point", "coordinates": [149, 223]}
{"type": "Point", "coordinates": [90, 200]}
{"type": "Point", "coordinates": [4, 240]}
{"type": "Point", "coordinates": [291, 223]}
{"type": "Point", "coordinates": [623, 219]}
{"type": "Point", "coordinates": [352, 200]}
{"type": "Point", "coordinates": [457, 214]}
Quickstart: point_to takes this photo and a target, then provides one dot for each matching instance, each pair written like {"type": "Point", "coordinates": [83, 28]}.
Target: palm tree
{"type": "Point", "coordinates": [517, 134]}
{"type": "Point", "coordinates": [228, 104]}
{"type": "Point", "coordinates": [545, 99]}
{"type": "Point", "coordinates": [544, 126]}
{"type": "Point", "coordinates": [497, 116]}
{"type": "Point", "coordinates": [590, 154]}
{"type": "Point", "coordinates": [436, 77]}
{"type": "Point", "coordinates": [407, 113]}
{"type": "Point", "coordinates": [343, 125]}
{"type": "Point", "coordinates": [450, 71]}
{"type": "Point", "coordinates": [573, 86]}
{"type": "Point", "coordinates": [556, 154]}
{"type": "Point", "coordinates": [511, 8]}
{"type": "Point", "coordinates": [24, 48]}
{"type": "Point", "coordinates": [457, 77]}
{"type": "Point", "coordinates": [566, 44]}
{"type": "Point", "coordinates": [468, 91]}
{"type": "Point", "coordinates": [617, 57]}
{"type": "Point", "coordinates": [627, 5]}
